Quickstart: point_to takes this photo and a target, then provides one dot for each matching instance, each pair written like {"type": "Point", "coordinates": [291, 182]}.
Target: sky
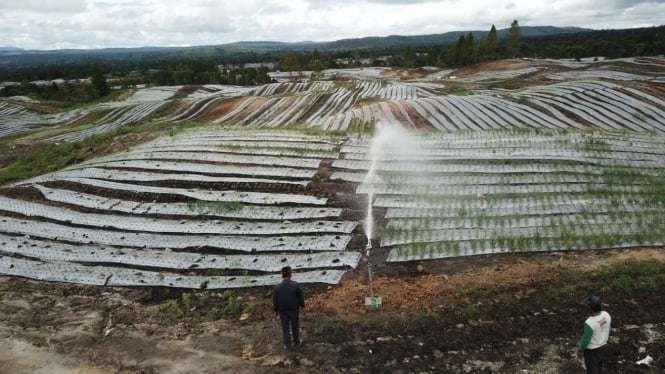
{"type": "Point", "coordinates": [57, 24]}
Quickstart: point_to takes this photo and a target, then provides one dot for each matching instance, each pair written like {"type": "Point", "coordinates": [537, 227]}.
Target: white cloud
{"type": "Point", "coordinates": [49, 24]}
{"type": "Point", "coordinates": [44, 6]}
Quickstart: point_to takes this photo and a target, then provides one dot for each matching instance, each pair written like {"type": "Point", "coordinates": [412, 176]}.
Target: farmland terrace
{"type": "Point", "coordinates": [476, 181]}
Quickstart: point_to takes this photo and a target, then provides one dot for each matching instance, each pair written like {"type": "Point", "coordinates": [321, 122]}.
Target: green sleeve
{"type": "Point", "coordinates": [586, 338]}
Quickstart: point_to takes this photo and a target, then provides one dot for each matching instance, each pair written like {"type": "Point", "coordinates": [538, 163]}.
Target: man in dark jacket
{"type": "Point", "coordinates": [287, 301]}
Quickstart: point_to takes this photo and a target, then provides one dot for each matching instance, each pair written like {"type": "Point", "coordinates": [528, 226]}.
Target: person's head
{"type": "Point", "coordinates": [594, 303]}
{"type": "Point", "coordinates": [286, 272]}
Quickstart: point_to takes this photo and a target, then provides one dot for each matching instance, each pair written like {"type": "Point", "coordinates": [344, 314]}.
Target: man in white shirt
{"type": "Point", "coordinates": [593, 345]}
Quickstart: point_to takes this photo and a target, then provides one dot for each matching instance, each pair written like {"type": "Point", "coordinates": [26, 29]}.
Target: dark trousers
{"type": "Point", "coordinates": [595, 360]}
{"type": "Point", "coordinates": [291, 319]}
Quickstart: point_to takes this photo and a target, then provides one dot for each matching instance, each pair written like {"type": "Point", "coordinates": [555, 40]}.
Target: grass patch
{"type": "Point", "coordinates": [592, 144]}
{"type": "Point", "coordinates": [48, 157]}
{"type": "Point", "coordinates": [164, 110]}
{"type": "Point", "coordinates": [632, 275]}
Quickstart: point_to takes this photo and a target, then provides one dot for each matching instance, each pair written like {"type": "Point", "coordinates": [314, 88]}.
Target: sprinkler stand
{"type": "Point", "coordinates": [371, 301]}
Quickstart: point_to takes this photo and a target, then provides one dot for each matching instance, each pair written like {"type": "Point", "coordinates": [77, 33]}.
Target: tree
{"type": "Point", "coordinates": [469, 50]}
{"type": "Point", "coordinates": [291, 61]}
{"type": "Point", "coordinates": [489, 46]}
{"type": "Point", "coordinates": [98, 80]}
{"type": "Point", "coordinates": [514, 39]}
{"type": "Point", "coordinates": [455, 53]}
{"type": "Point", "coordinates": [409, 57]}
{"type": "Point", "coordinates": [315, 61]}
{"type": "Point", "coordinates": [356, 56]}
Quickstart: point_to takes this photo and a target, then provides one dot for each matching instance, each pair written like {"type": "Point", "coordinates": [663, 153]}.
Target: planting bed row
{"type": "Point", "coordinates": [144, 224]}
{"type": "Point", "coordinates": [168, 259]}
{"type": "Point", "coordinates": [133, 115]}
{"type": "Point", "coordinates": [114, 276]}
{"type": "Point", "coordinates": [84, 175]}
{"type": "Point", "coordinates": [201, 168]}
{"type": "Point", "coordinates": [264, 198]}
{"type": "Point", "coordinates": [244, 243]}
{"type": "Point", "coordinates": [207, 157]}
{"type": "Point", "coordinates": [196, 209]}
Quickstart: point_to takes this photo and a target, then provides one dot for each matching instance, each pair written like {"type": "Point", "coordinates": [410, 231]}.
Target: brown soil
{"type": "Point", "coordinates": [185, 91]}
{"type": "Point", "coordinates": [320, 101]}
{"type": "Point", "coordinates": [38, 107]}
{"type": "Point", "coordinates": [492, 65]}
{"type": "Point", "coordinates": [415, 117]}
{"type": "Point", "coordinates": [405, 74]}
{"type": "Point", "coordinates": [221, 108]}
{"type": "Point", "coordinates": [430, 321]}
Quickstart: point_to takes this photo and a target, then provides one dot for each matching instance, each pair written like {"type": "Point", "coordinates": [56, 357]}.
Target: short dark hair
{"type": "Point", "coordinates": [595, 303]}
{"type": "Point", "coordinates": [286, 271]}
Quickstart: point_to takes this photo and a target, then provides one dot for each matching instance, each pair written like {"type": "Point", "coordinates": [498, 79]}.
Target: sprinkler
{"type": "Point", "coordinates": [371, 301]}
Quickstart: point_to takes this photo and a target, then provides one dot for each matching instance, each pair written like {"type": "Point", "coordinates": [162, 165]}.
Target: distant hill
{"type": "Point", "coordinates": [393, 41]}
{"type": "Point", "coordinates": [261, 45]}
{"type": "Point", "coordinates": [14, 57]}
{"type": "Point", "coordinates": [9, 49]}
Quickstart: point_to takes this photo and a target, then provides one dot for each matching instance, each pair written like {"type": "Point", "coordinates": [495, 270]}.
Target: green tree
{"type": "Point", "coordinates": [356, 56]}
{"type": "Point", "coordinates": [98, 80]}
{"type": "Point", "coordinates": [469, 50]}
{"type": "Point", "coordinates": [315, 61]}
{"type": "Point", "coordinates": [409, 57]}
{"type": "Point", "coordinates": [489, 46]}
{"type": "Point", "coordinates": [291, 61]}
{"type": "Point", "coordinates": [455, 53]}
{"type": "Point", "coordinates": [514, 39]}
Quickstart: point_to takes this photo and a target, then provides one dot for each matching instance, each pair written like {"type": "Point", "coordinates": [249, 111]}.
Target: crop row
{"type": "Point", "coordinates": [114, 276]}
{"type": "Point", "coordinates": [245, 243]}
{"type": "Point", "coordinates": [550, 227]}
{"type": "Point", "coordinates": [133, 115]}
{"type": "Point", "coordinates": [173, 260]}
{"type": "Point", "coordinates": [141, 176]}
{"type": "Point", "coordinates": [144, 224]}
{"type": "Point", "coordinates": [228, 209]}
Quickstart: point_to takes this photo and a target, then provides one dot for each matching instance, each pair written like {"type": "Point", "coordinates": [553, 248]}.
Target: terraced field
{"type": "Point", "coordinates": [572, 159]}
{"type": "Point", "coordinates": [495, 197]}
{"type": "Point", "coordinates": [612, 95]}
{"type": "Point", "coordinates": [220, 208]}
{"type": "Point", "coordinates": [186, 212]}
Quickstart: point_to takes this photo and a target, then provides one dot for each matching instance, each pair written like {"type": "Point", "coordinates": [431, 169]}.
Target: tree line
{"type": "Point", "coordinates": [176, 69]}
{"type": "Point", "coordinates": [469, 49]}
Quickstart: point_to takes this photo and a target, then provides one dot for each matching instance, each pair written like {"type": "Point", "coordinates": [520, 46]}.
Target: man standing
{"type": "Point", "coordinates": [596, 332]}
{"type": "Point", "coordinates": [287, 301]}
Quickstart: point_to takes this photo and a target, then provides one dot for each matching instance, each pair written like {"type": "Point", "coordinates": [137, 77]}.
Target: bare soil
{"type": "Point", "coordinates": [431, 320]}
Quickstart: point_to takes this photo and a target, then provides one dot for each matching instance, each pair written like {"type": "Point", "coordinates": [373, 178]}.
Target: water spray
{"type": "Point", "coordinates": [371, 179]}
{"type": "Point", "coordinates": [386, 141]}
